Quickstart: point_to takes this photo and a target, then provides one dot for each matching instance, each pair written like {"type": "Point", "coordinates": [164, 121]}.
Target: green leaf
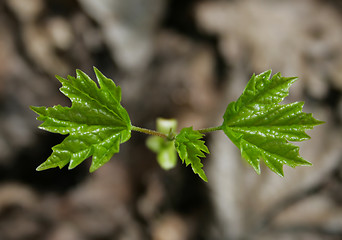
{"type": "Point", "coordinates": [164, 148]}
{"type": "Point", "coordinates": [261, 128]}
{"type": "Point", "coordinates": [190, 148]}
{"type": "Point", "coordinates": [96, 122]}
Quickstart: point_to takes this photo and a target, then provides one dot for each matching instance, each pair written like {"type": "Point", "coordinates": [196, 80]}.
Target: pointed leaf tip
{"type": "Point", "coordinates": [261, 127]}
{"type": "Point", "coordinates": [96, 123]}
{"type": "Point", "coordinates": [190, 148]}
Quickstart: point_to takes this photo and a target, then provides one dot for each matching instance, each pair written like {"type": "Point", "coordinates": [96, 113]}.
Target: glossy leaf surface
{"type": "Point", "coordinates": [261, 127]}
{"type": "Point", "coordinates": [96, 122]}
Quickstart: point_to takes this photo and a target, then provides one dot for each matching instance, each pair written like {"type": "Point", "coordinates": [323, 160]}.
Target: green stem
{"type": "Point", "coordinates": [149, 131]}
{"type": "Point", "coordinates": [208, 130]}
{"type": "Point", "coordinates": [159, 134]}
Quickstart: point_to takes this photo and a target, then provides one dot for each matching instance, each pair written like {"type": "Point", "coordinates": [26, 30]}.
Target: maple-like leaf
{"type": "Point", "coordinates": [96, 122]}
{"type": "Point", "coordinates": [261, 127]}
{"type": "Point", "coordinates": [190, 148]}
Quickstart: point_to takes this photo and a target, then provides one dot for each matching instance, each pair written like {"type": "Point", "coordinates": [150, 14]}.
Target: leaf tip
{"type": "Point", "coordinates": [200, 173]}
{"type": "Point", "coordinates": [81, 75]}
{"type": "Point", "coordinates": [204, 178]}
{"type": "Point", "coordinates": [60, 79]}
{"type": "Point", "coordinates": [78, 71]}
{"type": "Point", "coordinates": [257, 169]}
{"type": "Point", "coordinates": [71, 165]}
{"type": "Point", "coordinates": [319, 122]}
{"type": "Point", "coordinates": [292, 79]}
{"type": "Point", "coordinates": [100, 77]}
{"type": "Point", "coordinates": [306, 163]}
{"type": "Point", "coordinates": [35, 109]}
{"type": "Point", "coordinates": [97, 71]}
{"type": "Point", "coordinates": [267, 72]}
{"type": "Point", "coordinates": [42, 167]}
{"type": "Point", "coordinates": [38, 169]}
{"type": "Point", "coordinates": [280, 174]}
{"type": "Point", "coordinates": [94, 167]}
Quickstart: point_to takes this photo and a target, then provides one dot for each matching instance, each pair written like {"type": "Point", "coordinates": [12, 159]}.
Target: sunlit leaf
{"type": "Point", "coordinates": [262, 128]}
{"type": "Point", "coordinates": [96, 122]}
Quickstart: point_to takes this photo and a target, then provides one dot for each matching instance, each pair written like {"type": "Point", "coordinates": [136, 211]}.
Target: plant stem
{"type": "Point", "coordinates": [208, 130]}
{"type": "Point", "coordinates": [149, 131]}
{"type": "Point", "coordinates": [159, 134]}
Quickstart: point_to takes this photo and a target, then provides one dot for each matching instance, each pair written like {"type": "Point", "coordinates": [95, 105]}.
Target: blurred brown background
{"type": "Point", "coordinates": [172, 59]}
